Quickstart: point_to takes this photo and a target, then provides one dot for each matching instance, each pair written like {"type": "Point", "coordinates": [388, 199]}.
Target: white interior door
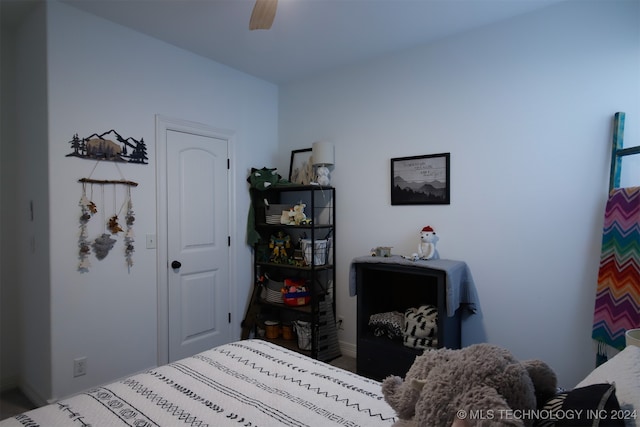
{"type": "Point", "coordinates": [197, 233]}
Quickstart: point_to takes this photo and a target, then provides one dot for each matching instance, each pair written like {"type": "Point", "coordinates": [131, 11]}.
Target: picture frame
{"type": "Point", "coordinates": [421, 180]}
{"type": "Point", "coordinates": [301, 167]}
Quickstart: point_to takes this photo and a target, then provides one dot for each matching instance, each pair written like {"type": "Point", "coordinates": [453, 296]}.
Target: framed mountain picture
{"type": "Point", "coordinates": [421, 180]}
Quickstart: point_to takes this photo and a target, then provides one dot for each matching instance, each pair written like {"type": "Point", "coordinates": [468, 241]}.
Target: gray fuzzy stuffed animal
{"type": "Point", "coordinates": [485, 381]}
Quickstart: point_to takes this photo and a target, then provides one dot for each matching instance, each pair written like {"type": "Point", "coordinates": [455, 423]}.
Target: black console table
{"type": "Point", "coordinates": [395, 284]}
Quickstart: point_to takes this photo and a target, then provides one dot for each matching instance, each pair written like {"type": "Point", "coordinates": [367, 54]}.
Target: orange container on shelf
{"type": "Point", "coordinates": [272, 328]}
{"type": "Point", "coordinates": [287, 332]}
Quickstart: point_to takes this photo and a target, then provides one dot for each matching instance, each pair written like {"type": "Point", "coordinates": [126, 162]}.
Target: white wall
{"type": "Point", "coordinates": [525, 108]}
{"type": "Point", "coordinates": [9, 292]}
{"type": "Point", "coordinates": [102, 76]}
{"type": "Point", "coordinates": [30, 238]}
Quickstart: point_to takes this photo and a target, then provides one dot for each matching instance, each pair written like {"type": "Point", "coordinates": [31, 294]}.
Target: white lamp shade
{"type": "Point", "coordinates": [322, 153]}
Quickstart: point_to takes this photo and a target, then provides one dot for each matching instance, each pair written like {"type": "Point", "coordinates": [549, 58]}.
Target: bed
{"type": "Point", "coordinates": [250, 383]}
{"type": "Point", "coordinates": [254, 383]}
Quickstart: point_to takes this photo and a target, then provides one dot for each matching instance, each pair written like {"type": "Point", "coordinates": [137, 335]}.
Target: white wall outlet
{"type": "Point", "coordinates": [340, 323]}
{"type": "Point", "coordinates": [79, 366]}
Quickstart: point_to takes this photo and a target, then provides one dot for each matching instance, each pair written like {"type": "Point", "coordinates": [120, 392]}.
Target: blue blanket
{"type": "Point", "coordinates": [460, 287]}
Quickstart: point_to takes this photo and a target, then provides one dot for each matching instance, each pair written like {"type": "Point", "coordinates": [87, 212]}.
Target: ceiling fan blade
{"type": "Point", "coordinates": [263, 14]}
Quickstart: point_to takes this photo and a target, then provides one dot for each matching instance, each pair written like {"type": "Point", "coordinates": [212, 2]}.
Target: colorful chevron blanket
{"type": "Point", "coordinates": [617, 305]}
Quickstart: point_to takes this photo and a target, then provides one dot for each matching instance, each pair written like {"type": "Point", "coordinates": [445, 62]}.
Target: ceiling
{"type": "Point", "coordinates": [307, 36]}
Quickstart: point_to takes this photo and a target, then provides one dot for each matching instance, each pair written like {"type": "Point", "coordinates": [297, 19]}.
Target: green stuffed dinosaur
{"type": "Point", "coordinates": [260, 179]}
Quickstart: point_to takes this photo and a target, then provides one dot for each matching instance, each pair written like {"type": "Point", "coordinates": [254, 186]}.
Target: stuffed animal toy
{"type": "Point", "coordinates": [263, 178]}
{"type": "Point", "coordinates": [482, 380]}
{"type": "Point", "coordinates": [287, 217]}
{"type": "Point", "coordinates": [421, 327]}
{"type": "Point", "coordinates": [298, 213]}
{"type": "Point", "coordinates": [427, 247]}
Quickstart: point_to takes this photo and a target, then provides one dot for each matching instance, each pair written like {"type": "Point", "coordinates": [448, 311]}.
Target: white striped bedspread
{"type": "Point", "coordinates": [250, 383]}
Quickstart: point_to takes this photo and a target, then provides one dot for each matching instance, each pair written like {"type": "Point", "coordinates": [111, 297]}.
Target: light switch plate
{"type": "Point", "coordinates": [151, 241]}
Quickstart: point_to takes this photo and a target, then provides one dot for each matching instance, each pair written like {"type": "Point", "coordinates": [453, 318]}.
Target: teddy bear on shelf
{"type": "Point", "coordinates": [298, 213]}
{"type": "Point", "coordinates": [427, 247]}
{"type": "Point", "coordinates": [287, 217]}
{"type": "Point", "coordinates": [443, 386]}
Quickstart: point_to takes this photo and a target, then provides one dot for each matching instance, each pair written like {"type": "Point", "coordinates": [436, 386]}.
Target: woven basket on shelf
{"type": "Point", "coordinates": [272, 291]}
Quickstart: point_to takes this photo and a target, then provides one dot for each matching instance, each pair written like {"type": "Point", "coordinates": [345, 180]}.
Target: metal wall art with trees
{"type": "Point", "coordinates": [114, 195]}
{"type": "Point", "coordinates": [98, 147]}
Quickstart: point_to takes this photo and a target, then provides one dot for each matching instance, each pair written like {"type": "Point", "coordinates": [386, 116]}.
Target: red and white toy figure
{"type": "Point", "coordinates": [427, 247]}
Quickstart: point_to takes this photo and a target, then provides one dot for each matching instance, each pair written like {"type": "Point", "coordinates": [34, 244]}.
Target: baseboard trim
{"type": "Point", "coordinates": [33, 395]}
{"type": "Point", "coordinates": [348, 349]}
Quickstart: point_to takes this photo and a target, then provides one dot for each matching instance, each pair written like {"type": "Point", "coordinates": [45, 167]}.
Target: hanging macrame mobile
{"type": "Point", "coordinates": [105, 242]}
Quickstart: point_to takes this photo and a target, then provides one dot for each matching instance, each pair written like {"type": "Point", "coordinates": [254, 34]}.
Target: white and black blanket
{"type": "Point", "coordinates": [250, 383]}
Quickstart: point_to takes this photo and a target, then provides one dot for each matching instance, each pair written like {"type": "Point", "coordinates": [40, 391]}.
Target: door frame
{"type": "Point", "coordinates": [164, 124]}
